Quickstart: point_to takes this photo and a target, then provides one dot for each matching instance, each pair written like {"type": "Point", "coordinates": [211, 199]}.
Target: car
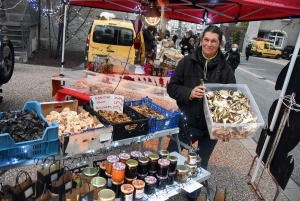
{"type": "Point", "coordinates": [287, 52]}
{"type": "Point", "coordinates": [263, 48]}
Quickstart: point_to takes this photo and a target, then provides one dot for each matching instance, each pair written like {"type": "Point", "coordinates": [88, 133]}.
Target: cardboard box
{"type": "Point", "coordinates": [83, 141]}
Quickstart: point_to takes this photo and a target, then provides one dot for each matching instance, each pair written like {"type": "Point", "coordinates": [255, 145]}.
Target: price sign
{"type": "Point", "coordinates": [108, 102]}
{"type": "Point", "coordinates": [192, 186]}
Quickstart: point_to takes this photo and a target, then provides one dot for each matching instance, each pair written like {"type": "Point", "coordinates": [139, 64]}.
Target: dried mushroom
{"type": "Point", "coordinates": [147, 111]}
{"type": "Point", "coordinates": [70, 121]}
{"type": "Point", "coordinates": [80, 84]}
{"type": "Point", "coordinates": [115, 118]}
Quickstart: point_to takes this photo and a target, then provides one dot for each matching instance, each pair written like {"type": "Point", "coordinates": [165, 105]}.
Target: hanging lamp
{"type": "Point", "coordinates": [152, 16]}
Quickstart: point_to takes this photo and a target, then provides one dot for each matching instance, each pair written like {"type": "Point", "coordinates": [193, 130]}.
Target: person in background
{"type": "Point", "coordinates": [248, 50]}
{"type": "Point", "coordinates": [192, 35]}
{"type": "Point", "coordinates": [174, 38]}
{"type": "Point", "coordinates": [233, 57]}
{"type": "Point", "coordinates": [184, 42]}
{"type": "Point", "coordinates": [186, 52]}
{"type": "Point", "coordinates": [209, 64]}
{"type": "Point", "coordinates": [149, 40]}
{"type": "Point", "coordinates": [191, 46]}
{"type": "Point", "coordinates": [228, 45]}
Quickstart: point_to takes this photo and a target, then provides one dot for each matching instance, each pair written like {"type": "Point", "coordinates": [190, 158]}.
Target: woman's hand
{"type": "Point", "coordinates": [198, 92]}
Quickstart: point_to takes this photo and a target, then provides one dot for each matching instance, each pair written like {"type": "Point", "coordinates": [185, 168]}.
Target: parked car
{"type": "Point", "coordinates": [264, 49]}
{"type": "Point", "coordinates": [287, 52]}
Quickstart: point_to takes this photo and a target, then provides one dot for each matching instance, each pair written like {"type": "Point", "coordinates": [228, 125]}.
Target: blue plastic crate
{"type": "Point", "coordinates": [170, 120]}
{"type": "Point", "coordinates": [43, 147]}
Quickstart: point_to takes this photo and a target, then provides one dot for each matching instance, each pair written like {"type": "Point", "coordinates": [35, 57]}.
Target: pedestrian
{"type": "Point", "coordinates": [228, 45]}
{"type": "Point", "coordinates": [207, 63]}
{"type": "Point", "coordinates": [174, 38]}
{"type": "Point", "coordinates": [149, 40]}
{"type": "Point", "coordinates": [184, 42]}
{"type": "Point", "coordinates": [248, 50]}
{"type": "Point", "coordinates": [233, 57]}
{"type": "Point", "coordinates": [191, 45]}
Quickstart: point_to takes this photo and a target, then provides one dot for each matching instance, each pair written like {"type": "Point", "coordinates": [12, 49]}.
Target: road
{"type": "Point", "coordinates": [260, 75]}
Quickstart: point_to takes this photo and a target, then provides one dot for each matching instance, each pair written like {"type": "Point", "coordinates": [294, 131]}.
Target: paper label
{"type": "Point", "coordinates": [28, 192]}
{"type": "Point", "coordinates": [139, 194]}
{"type": "Point", "coordinates": [128, 197]}
{"type": "Point", "coordinates": [67, 185]}
{"type": "Point", "coordinates": [193, 161]}
{"type": "Point", "coordinates": [105, 137]}
{"type": "Point", "coordinates": [108, 102]}
{"type": "Point", "coordinates": [192, 186]}
{"type": "Point", "coordinates": [53, 177]}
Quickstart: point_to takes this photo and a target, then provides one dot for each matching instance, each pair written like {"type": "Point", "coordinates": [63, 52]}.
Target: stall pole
{"type": "Point", "coordinates": [279, 103]}
{"type": "Point", "coordinates": [65, 2]}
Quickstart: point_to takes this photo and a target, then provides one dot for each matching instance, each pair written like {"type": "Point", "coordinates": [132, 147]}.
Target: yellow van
{"type": "Point", "coordinates": [113, 36]}
{"type": "Point", "coordinates": [264, 49]}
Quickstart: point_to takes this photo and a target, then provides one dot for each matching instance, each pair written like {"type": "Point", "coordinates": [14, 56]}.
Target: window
{"type": "Point", "coordinates": [266, 46]}
{"type": "Point", "coordinates": [272, 47]}
{"type": "Point", "coordinates": [277, 38]}
{"type": "Point", "coordinates": [113, 35]}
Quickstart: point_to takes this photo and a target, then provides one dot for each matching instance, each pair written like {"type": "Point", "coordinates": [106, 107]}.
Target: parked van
{"type": "Point", "coordinates": [113, 36]}
{"type": "Point", "coordinates": [264, 49]}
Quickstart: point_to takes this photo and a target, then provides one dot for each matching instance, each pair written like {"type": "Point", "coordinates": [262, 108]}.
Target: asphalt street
{"type": "Point", "coordinates": [260, 76]}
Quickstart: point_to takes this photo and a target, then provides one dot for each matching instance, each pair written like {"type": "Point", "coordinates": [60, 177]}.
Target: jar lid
{"type": "Point", "coordinates": [163, 162]}
{"type": "Point", "coordinates": [135, 154]}
{"type": "Point", "coordinates": [127, 188]}
{"type": "Point", "coordinates": [119, 166]}
{"type": "Point", "coordinates": [102, 165]}
{"type": "Point", "coordinates": [90, 171]}
{"type": "Point", "coordinates": [150, 180]}
{"type": "Point", "coordinates": [117, 183]}
{"type": "Point", "coordinates": [190, 165]}
{"type": "Point", "coordinates": [106, 194]}
{"type": "Point", "coordinates": [112, 158]}
{"type": "Point", "coordinates": [124, 156]}
{"type": "Point", "coordinates": [153, 157]}
{"type": "Point", "coordinates": [192, 155]}
{"type": "Point", "coordinates": [138, 183]}
{"type": "Point", "coordinates": [98, 182]}
{"type": "Point", "coordinates": [147, 153]}
{"type": "Point", "coordinates": [132, 163]}
{"type": "Point", "coordinates": [143, 159]}
{"type": "Point", "coordinates": [172, 158]}
{"type": "Point", "coordinates": [127, 179]}
{"type": "Point", "coordinates": [182, 168]}
{"type": "Point", "coordinates": [163, 153]}
{"type": "Point", "coordinates": [161, 178]}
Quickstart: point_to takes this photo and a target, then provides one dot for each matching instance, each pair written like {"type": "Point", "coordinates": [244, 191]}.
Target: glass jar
{"type": "Point", "coordinates": [143, 165]}
{"type": "Point", "coordinates": [192, 158]}
{"type": "Point", "coordinates": [171, 178]}
{"type": "Point", "coordinates": [147, 153]}
{"type": "Point", "coordinates": [142, 177]}
{"type": "Point", "coordinates": [150, 183]}
{"type": "Point", "coordinates": [124, 157]}
{"type": "Point", "coordinates": [99, 183]}
{"type": "Point", "coordinates": [163, 167]}
{"type": "Point", "coordinates": [182, 173]}
{"type": "Point", "coordinates": [152, 173]}
{"type": "Point", "coordinates": [163, 154]}
{"type": "Point", "coordinates": [131, 169]}
{"type": "Point", "coordinates": [118, 172]}
{"type": "Point", "coordinates": [161, 182]}
{"type": "Point", "coordinates": [7, 197]}
{"type": "Point", "coordinates": [199, 160]}
{"type": "Point", "coordinates": [102, 169]}
{"type": "Point", "coordinates": [106, 195]}
{"type": "Point", "coordinates": [109, 180]}
{"type": "Point", "coordinates": [129, 181]}
{"type": "Point", "coordinates": [5, 189]}
{"type": "Point", "coordinates": [192, 168]}
{"type": "Point", "coordinates": [116, 187]}
{"type": "Point", "coordinates": [139, 186]}
{"type": "Point", "coordinates": [135, 155]}
{"type": "Point", "coordinates": [153, 162]}
{"type": "Point", "coordinates": [89, 173]}
{"type": "Point", "coordinates": [127, 192]}
{"type": "Point", "coordinates": [111, 160]}
{"type": "Point", "coordinates": [173, 163]}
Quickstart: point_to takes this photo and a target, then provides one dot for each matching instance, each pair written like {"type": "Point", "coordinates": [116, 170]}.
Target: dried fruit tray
{"type": "Point", "coordinates": [17, 152]}
{"type": "Point", "coordinates": [119, 129]}
{"type": "Point", "coordinates": [170, 119]}
{"type": "Point", "coordinates": [230, 130]}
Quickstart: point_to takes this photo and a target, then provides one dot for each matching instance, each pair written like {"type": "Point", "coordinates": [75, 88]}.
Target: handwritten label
{"type": "Point", "coordinates": [108, 102]}
{"type": "Point", "coordinates": [28, 192]}
{"type": "Point", "coordinates": [105, 136]}
{"type": "Point", "coordinates": [192, 186]}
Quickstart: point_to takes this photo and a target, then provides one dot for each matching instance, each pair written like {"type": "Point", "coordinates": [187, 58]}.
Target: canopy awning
{"type": "Point", "coordinates": [219, 11]}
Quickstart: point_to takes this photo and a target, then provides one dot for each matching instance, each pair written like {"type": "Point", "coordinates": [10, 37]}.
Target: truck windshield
{"type": "Point", "coordinates": [113, 35]}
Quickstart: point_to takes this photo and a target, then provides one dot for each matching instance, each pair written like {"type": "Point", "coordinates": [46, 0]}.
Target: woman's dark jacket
{"type": "Point", "coordinates": [233, 58]}
{"type": "Point", "coordinates": [148, 40]}
{"type": "Point", "coordinates": [187, 76]}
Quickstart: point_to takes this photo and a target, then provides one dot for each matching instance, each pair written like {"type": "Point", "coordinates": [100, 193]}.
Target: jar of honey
{"type": "Point", "coordinates": [173, 163]}
{"type": "Point", "coordinates": [111, 160]}
{"type": "Point", "coordinates": [192, 158]}
{"type": "Point", "coordinates": [147, 153]}
{"type": "Point", "coordinates": [135, 155]}
{"type": "Point", "coordinates": [163, 154]}
{"type": "Point", "coordinates": [124, 157]}
{"type": "Point", "coordinates": [143, 165]}
{"type": "Point", "coordinates": [192, 168]}
{"type": "Point", "coordinates": [127, 192]}
{"type": "Point", "coordinates": [131, 169]}
{"type": "Point", "coordinates": [99, 183]}
{"type": "Point", "coordinates": [182, 173]}
{"type": "Point", "coordinates": [163, 167]}
{"type": "Point", "coordinates": [150, 183]}
{"type": "Point", "coordinates": [153, 162]}
{"type": "Point", "coordinates": [106, 195]}
{"type": "Point", "coordinates": [139, 186]}
{"type": "Point", "coordinates": [118, 172]}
